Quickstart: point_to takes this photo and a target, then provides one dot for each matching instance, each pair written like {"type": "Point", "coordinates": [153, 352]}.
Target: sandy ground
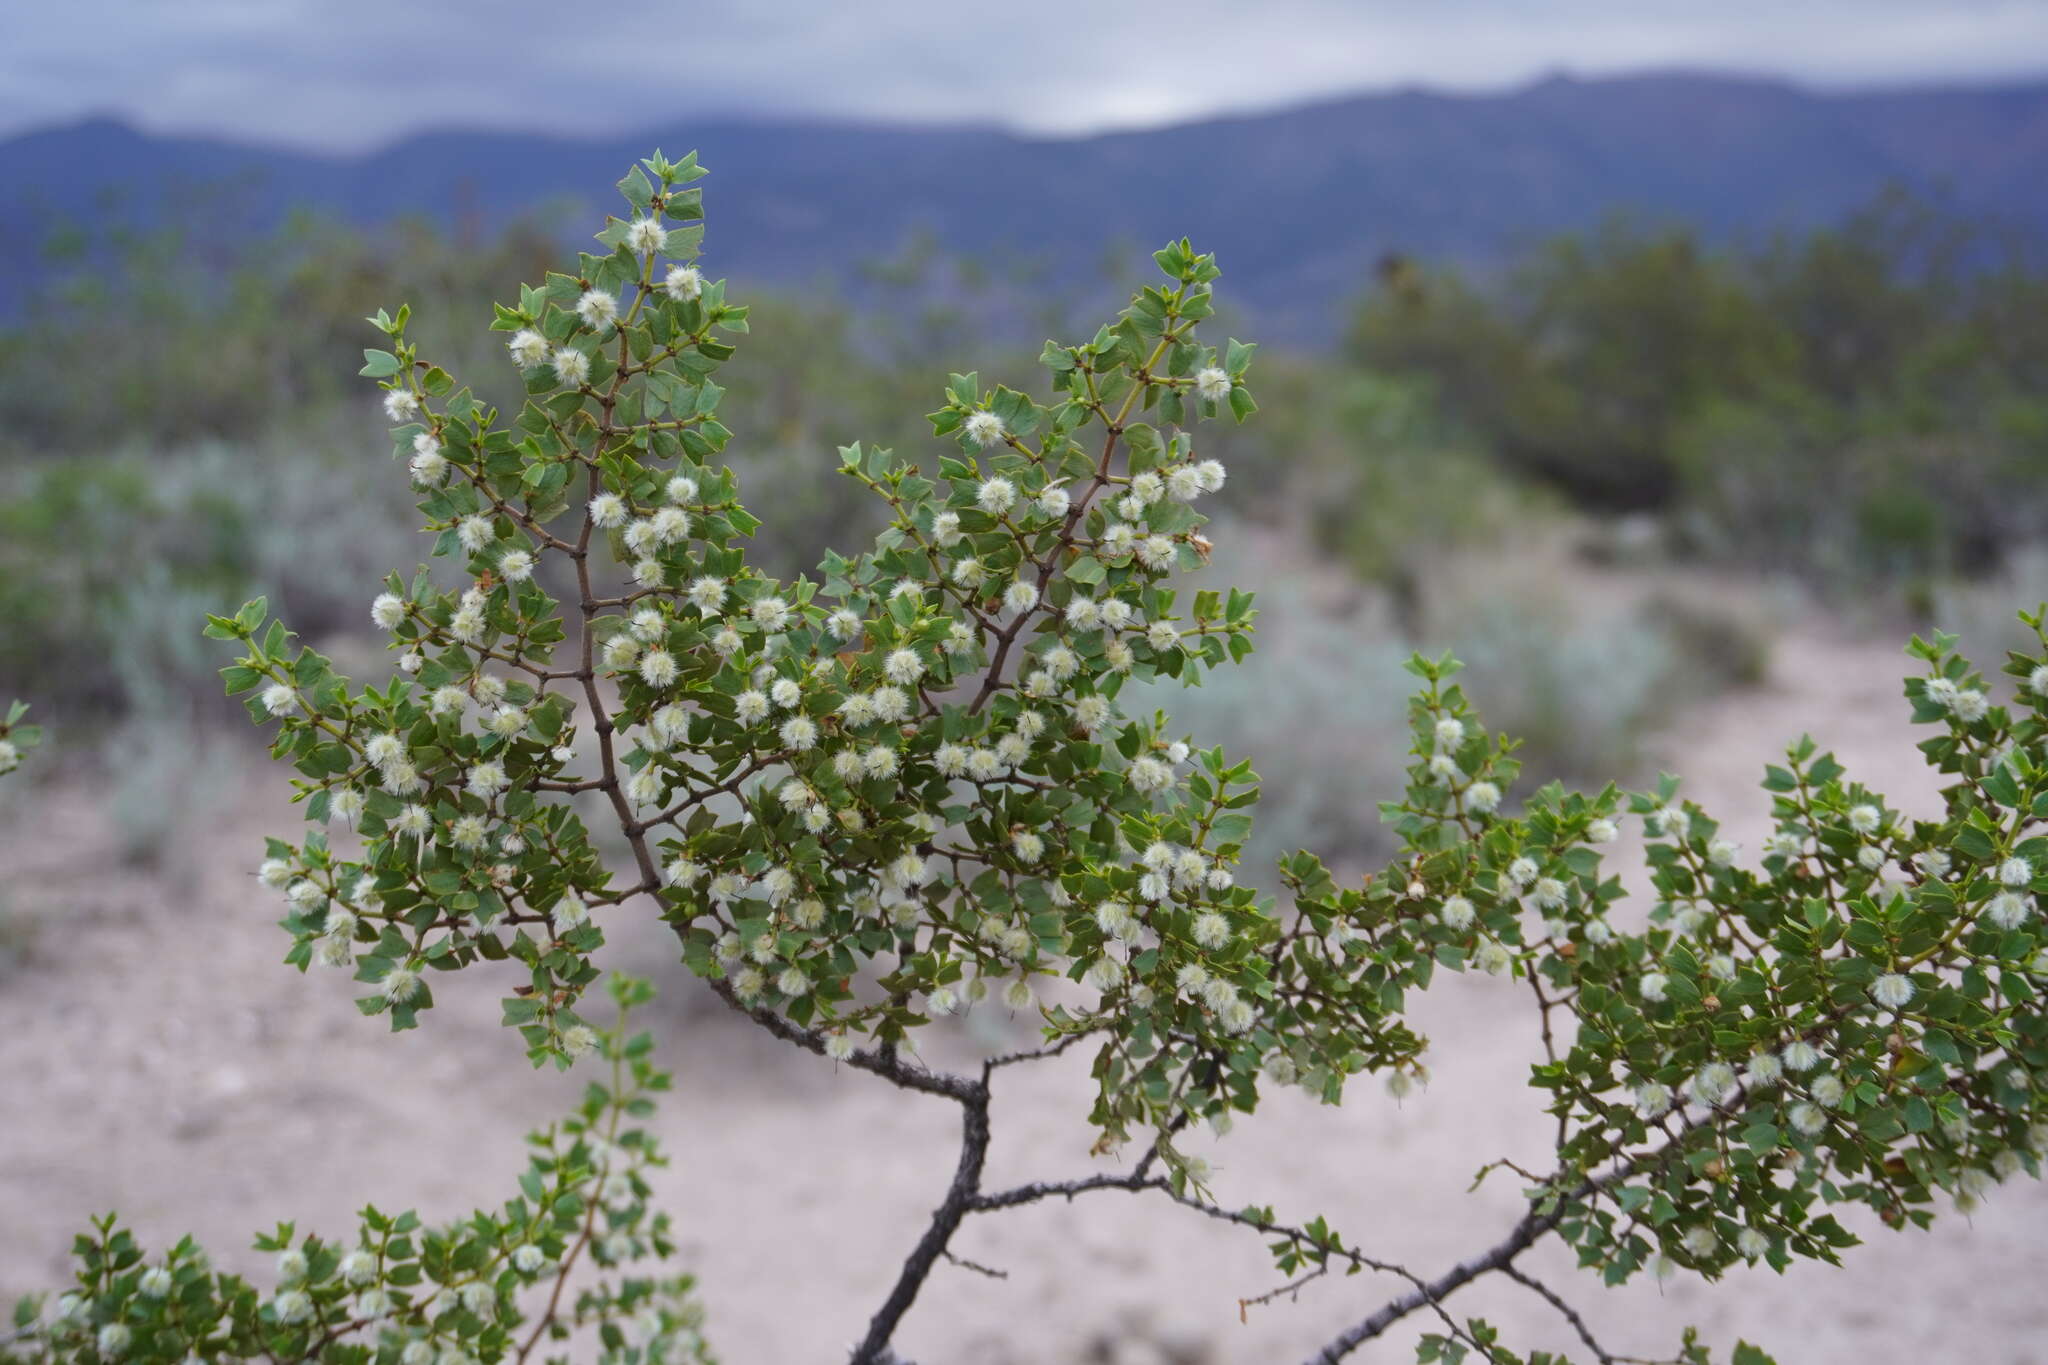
{"type": "Point", "coordinates": [157, 1060]}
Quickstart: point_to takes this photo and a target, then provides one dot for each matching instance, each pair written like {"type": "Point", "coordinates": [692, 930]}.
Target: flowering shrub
{"type": "Point", "coordinates": [868, 802]}
{"type": "Point", "coordinates": [401, 1291]}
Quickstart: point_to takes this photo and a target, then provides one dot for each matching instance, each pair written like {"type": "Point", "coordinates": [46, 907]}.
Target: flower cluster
{"type": "Point", "coordinates": [487, 1288]}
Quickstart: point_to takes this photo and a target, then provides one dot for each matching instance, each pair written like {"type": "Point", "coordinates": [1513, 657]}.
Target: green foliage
{"type": "Point", "coordinates": [401, 1291]}
{"type": "Point", "coordinates": [155, 338]}
{"type": "Point", "coordinates": [925, 776]}
{"type": "Point", "coordinates": [1862, 401]}
{"type": "Point", "coordinates": [16, 737]}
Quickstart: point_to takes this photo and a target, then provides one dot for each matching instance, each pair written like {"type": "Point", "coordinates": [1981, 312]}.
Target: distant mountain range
{"type": "Point", "coordinates": [1299, 204]}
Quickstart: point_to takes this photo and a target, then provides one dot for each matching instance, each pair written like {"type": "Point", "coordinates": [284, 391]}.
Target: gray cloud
{"type": "Point", "coordinates": [348, 74]}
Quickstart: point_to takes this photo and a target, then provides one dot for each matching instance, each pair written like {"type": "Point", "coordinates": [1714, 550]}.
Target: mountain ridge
{"type": "Point", "coordinates": [1298, 202]}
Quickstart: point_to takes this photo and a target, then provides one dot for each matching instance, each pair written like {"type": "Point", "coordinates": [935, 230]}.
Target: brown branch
{"type": "Point", "coordinates": [1569, 1313]}
{"type": "Point", "coordinates": [974, 1137]}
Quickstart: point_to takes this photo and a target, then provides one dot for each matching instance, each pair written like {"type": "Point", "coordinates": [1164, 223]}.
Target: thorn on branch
{"type": "Point", "coordinates": [977, 1267]}
{"type": "Point", "coordinates": [1291, 1289]}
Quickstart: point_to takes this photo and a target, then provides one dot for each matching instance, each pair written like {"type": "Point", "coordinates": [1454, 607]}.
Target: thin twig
{"type": "Point", "coordinates": [1570, 1314]}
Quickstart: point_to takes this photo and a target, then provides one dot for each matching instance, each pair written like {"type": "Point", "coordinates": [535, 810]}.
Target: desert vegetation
{"type": "Point", "coordinates": [973, 765]}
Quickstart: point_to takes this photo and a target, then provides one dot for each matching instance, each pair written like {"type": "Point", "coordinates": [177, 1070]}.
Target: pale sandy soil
{"type": "Point", "coordinates": [157, 1060]}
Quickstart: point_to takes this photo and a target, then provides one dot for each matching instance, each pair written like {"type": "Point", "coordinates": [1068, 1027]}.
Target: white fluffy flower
{"type": "Point", "coordinates": [1866, 819]}
{"type": "Point", "coordinates": [890, 704]}
{"type": "Point", "coordinates": [400, 985]}
{"type": "Point", "coordinates": [2015, 871]}
{"type": "Point", "coordinates": [598, 308]}
{"type": "Point", "coordinates": [487, 779]}
{"type": "Point", "coordinates": [984, 428]}
{"type": "Point", "coordinates": [996, 496]}
{"type": "Point", "coordinates": [647, 786]}
{"type": "Point", "coordinates": [1104, 974]}
{"type": "Point", "coordinates": [1492, 957]}
{"type": "Point", "coordinates": [1483, 797]}
{"type": "Point", "coordinates": [1892, 990]}
{"type": "Point", "coordinates": [1212, 383]}
{"type": "Point", "coordinates": [1652, 986]}
{"type": "Point", "coordinates": [429, 467]}
{"type": "Point", "coordinates": [1158, 553]}
{"type": "Point", "coordinates": [671, 524]}
{"type": "Point", "coordinates": [646, 236]}
{"type": "Point", "coordinates": [1764, 1069]}
{"type": "Point", "coordinates": [620, 652]}
{"type": "Point", "coordinates": [1602, 831]}
{"type": "Point", "coordinates": [571, 366]}
{"type": "Point", "coordinates": [657, 668]}
{"type": "Point", "coordinates": [1801, 1055]}
{"type": "Point", "coordinates": [387, 610]}
{"type": "Point", "coordinates": [903, 666]}
{"type": "Point", "coordinates": [413, 822]}
{"type": "Point", "coordinates": [2009, 909]}
{"type": "Point", "coordinates": [528, 347]}
{"type": "Point", "coordinates": [1183, 483]}
{"type": "Point", "coordinates": [1149, 774]}
{"type": "Point", "coordinates": [1713, 1083]}
{"type": "Point", "coordinates": [683, 283]}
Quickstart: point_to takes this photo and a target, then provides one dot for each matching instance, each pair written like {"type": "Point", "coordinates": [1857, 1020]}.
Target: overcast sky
{"type": "Point", "coordinates": [349, 74]}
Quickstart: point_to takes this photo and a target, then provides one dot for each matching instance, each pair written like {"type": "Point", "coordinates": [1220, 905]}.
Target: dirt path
{"type": "Point", "coordinates": [157, 1060]}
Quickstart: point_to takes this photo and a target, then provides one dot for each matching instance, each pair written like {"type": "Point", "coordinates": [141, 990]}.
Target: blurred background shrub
{"type": "Point", "coordinates": [1602, 473]}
